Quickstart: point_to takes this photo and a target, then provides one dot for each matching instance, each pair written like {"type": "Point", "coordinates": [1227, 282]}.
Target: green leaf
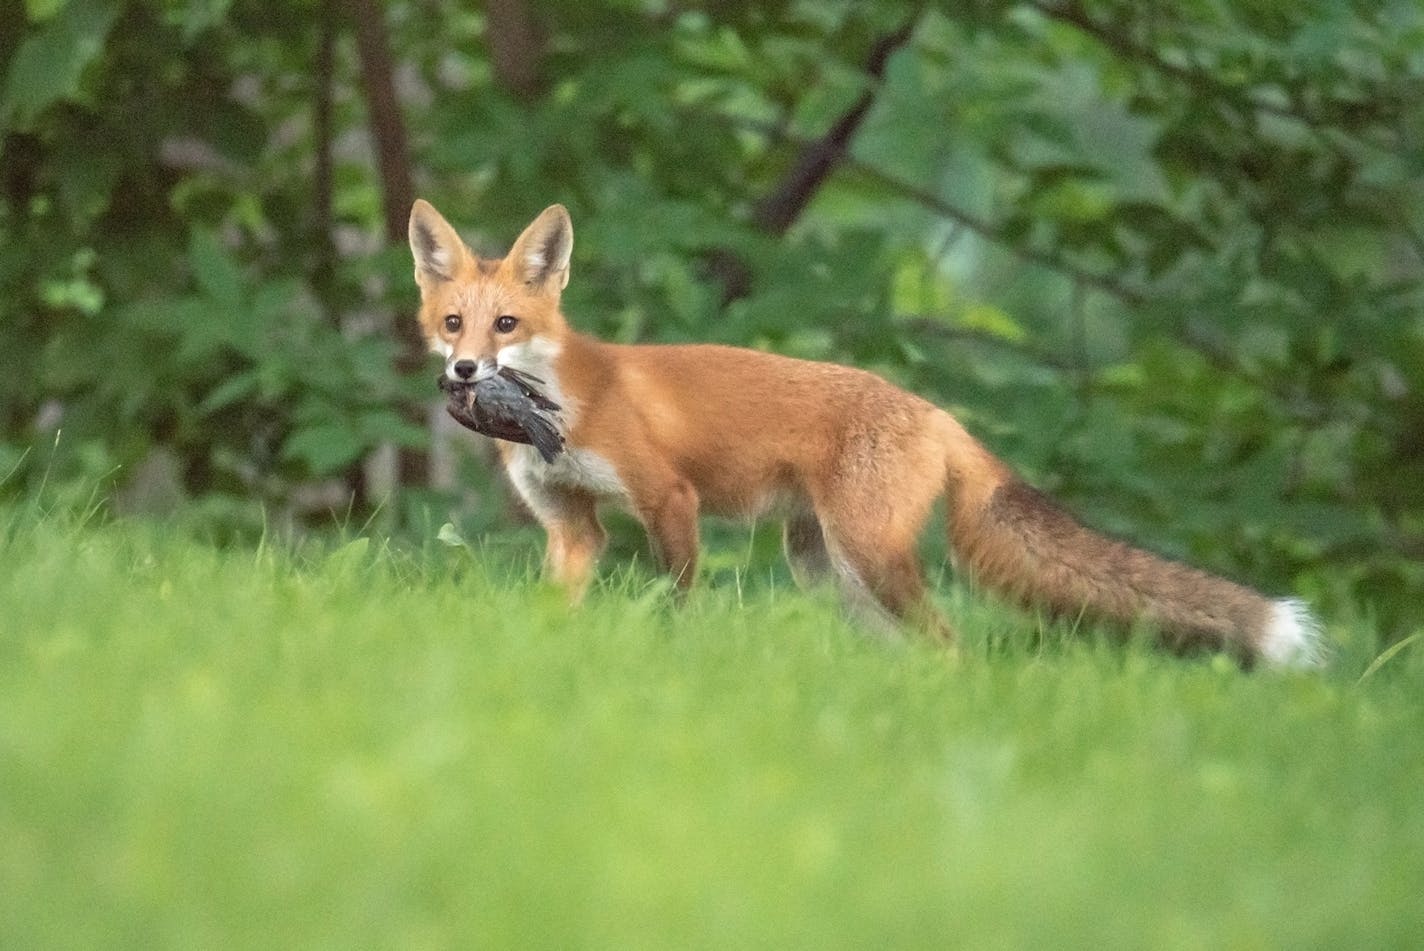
{"type": "Point", "coordinates": [48, 66]}
{"type": "Point", "coordinates": [1388, 654]}
{"type": "Point", "coordinates": [386, 425]}
{"type": "Point", "coordinates": [992, 321]}
{"type": "Point", "coordinates": [450, 535]}
{"type": "Point", "coordinates": [324, 448]}
{"type": "Point", "coordinates": [218, 276]}
{"type": "Point", "coordinates": [196, 16]}
{"type": "Point", "coordinates": [229, 391]}
{"type": "Point", "coordinates": [40, 10]}
{"type": "Point", "coordinates": [349, 557]}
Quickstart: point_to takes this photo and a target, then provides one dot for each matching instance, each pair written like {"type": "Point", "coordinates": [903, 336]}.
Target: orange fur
{"type": "Point", "coordinates": [853, 463]}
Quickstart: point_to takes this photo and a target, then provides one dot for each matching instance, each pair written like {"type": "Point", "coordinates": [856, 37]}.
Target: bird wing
{"type": "Point", "coordinates": [530, 384]}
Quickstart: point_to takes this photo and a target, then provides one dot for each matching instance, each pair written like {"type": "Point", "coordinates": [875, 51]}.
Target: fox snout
{"type": "Point", "coordinates": [465, 370]}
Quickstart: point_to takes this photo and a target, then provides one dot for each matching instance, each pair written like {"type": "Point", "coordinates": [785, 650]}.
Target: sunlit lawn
{"type": "Point", "coordinates": [288, 748]}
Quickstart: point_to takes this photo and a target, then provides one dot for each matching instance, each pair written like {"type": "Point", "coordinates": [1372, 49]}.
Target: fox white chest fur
{"type": "Point", "coordinates": [579, 470]}
{"type": "Point", "coordinates": [576, 469]}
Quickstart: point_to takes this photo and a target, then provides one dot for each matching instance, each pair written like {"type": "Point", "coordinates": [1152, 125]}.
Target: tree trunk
{"type": "Point", "coordinates": [324, 266]}
{"type": "Point", "coordinates": [323, 277]}
{"type": "Point", "coordinates": [516, 47]}
{"type": "Point", "coordinates": [387, 124]}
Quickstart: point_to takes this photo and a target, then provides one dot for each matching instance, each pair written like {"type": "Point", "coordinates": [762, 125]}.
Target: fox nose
{"type": "Point", "coordinates": [464, 369]}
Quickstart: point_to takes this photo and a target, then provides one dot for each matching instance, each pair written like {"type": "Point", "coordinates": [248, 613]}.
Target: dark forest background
{"type": "Point", "coordinates": [1167, 258]}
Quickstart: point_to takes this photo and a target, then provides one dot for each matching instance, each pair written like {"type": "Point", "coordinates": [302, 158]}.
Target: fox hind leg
{"type": "Point", "coordinates": [890, 582]}
{"type": "Point", "coordinates": [669, 516]}
{"type": "Point", "coordinates": [871, 530]}
{"type": "Point", "coordinates": [806, 553]}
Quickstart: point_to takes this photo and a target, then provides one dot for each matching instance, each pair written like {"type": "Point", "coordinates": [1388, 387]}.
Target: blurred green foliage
{"type": "Point", "coordinates": [1165, 258]}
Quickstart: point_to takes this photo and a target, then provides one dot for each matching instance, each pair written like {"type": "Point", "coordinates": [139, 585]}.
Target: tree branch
{"type": "Point", "coordinates": [1221, 359]}
{"type": "Point", "coordinates": [933, 203]}
{"type": "Point", "coordinates": [779, 210]}
{"type": "Point", "coordinates": [934, 327]}
{"type": "Point", "coordinates": [991, 232]}
{"type": "Point", "coordinates": [815, 161]}
{"type": "Point", "coordinates": [1075, 15]}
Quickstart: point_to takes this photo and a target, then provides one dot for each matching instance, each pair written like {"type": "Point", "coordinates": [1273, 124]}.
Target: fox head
{"type": "Point", "coordinates": [482, 314]}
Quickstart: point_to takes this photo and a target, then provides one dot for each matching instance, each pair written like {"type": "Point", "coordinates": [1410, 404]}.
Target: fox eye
{"type": "Point", "coordinates": [505, 323]}
{"type": "Point", "coordinates": [452, 323]}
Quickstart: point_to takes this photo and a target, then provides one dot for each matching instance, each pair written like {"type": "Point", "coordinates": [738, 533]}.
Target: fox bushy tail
{"type": "Point", "coordinates": [1015, 540]}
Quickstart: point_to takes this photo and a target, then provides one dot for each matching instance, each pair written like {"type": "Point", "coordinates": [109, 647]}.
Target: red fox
{"type": "Point", "coordinates": [851, 462]}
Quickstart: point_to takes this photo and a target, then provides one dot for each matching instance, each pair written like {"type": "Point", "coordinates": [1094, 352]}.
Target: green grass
{"type": "Point", "coordinates": [205, 748]}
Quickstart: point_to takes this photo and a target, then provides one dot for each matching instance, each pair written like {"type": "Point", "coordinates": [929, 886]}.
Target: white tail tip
{"type": "Point", "coordinates": [1293, 637]}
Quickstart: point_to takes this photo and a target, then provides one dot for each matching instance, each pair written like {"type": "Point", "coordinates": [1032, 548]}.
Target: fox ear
{"type": "Point", "coordinates": [438, 250]}
{"type": "Point", "coordinates": [541, 255]}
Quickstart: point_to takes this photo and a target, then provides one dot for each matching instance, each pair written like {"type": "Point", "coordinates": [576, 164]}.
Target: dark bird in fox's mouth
{"type": "Point", "coordinates": [508, 405]}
